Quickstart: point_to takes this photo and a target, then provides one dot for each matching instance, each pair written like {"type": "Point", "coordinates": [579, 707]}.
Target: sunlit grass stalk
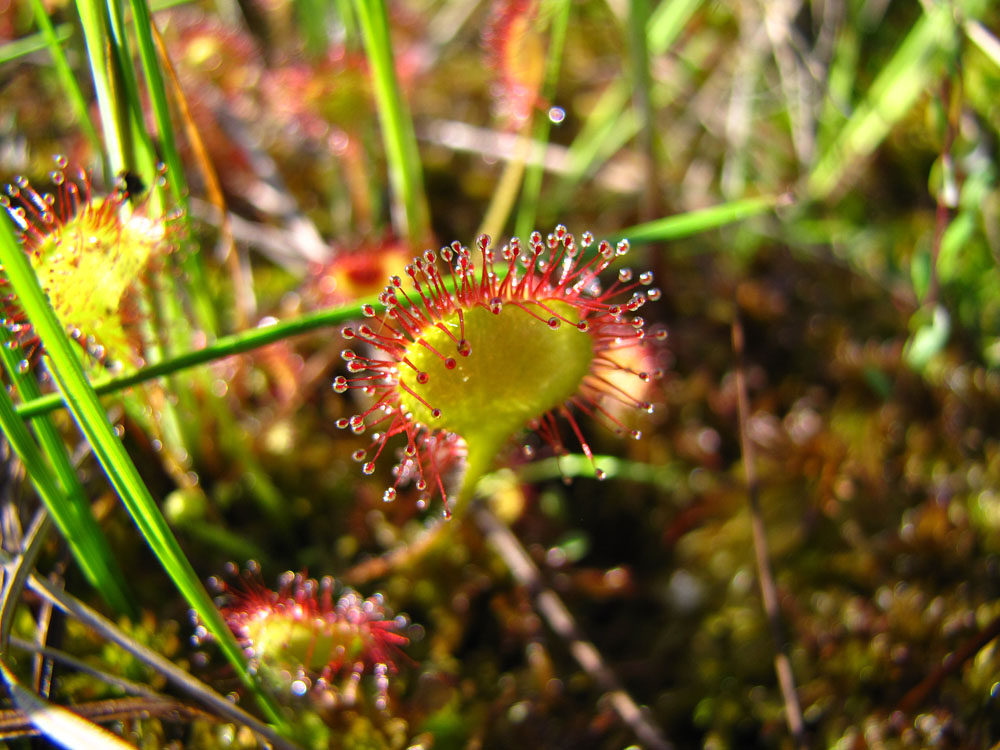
{"type": "Point", "coordinates": [140, 153]}
{"type": "Point", "coordinates": [94, 23]}
{"type": "Point", "coordinates": [63, 363]}
{"type": "Point", "coordinates": [177, 181]}
{"type": "Point", "coordinates": [528, 206]}
{"type": "Point", "coordinates": [68, 506]}
{"type": "Point", "coordinates": [66, 78]}
{"type": "Point", "coordinates": [410, 214]}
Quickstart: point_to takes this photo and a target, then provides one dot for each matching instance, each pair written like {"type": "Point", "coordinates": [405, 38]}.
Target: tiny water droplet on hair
{"type": "Point", "coordinates": [464, 348]}
{"type": "Point", "coordinates": [422, 377]}
{"type": "Point", "coordinates": [600, 474]}
{"type": "Point", "coordinates": [450, 363]}
{"type": "Point", "coordinates": [340, 384]}
{"type": "Point", "coordinates": [389, 496]}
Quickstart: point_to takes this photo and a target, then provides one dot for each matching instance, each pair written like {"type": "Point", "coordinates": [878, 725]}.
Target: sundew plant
{"type": "Point", "coordinates": [495, 373]}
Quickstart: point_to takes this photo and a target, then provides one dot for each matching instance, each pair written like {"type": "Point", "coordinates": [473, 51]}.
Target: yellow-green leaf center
{"type": "Point", "coordinates": [516, 369]}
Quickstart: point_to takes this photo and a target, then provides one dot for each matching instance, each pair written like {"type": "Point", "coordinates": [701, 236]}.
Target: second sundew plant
{"type": "Point", "coordinates": [90, 253]}
{"type": "Point", "coordinates": [313, 637]}
{"type": "Point", "coordinates": [468, 354]}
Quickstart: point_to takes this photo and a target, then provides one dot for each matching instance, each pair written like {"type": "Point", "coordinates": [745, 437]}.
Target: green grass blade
{"type": "Point", "coordinates": [527, 209]}
{"type": "Point", "coordinates": [612, 123]}
{"type": "Point", "coordinates": [94, 24]}
{"type": "Point", "coordinates": [141, 155]}
{"type": "Point", "coordinates": [158, 99]}
{"type": "Point", "coordinates": [16, 48]}
{"type": "Point", "coordinates": [225, 346]}
{"type": "Point", "coordinates": [642, 100]}
{"type": "Point", "coordinates": [67, 372]}
{"type": "Point", "coordinates": [66, 77]}
{"type": "Point", "coordinates": [410, 213]}
{"type": "Point", "coordinates": [695, 222]}
{"type": "Point", "coordinates": [177, 182]}
{"type": "Point", "coordinates": [898, 86]}
{"type": "Point", "coordinates": [26, 45]}
{"type": "Point", "coordinates": [68, 506]}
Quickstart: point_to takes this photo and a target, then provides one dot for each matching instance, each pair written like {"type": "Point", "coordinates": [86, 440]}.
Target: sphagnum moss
{"type": "Point", "coordinates": [472, 356]}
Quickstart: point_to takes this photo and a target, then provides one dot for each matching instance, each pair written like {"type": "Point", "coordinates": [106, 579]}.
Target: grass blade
{"type": "Point", "coordinates": [177, 182]}
{"type": "Point", "coordinates": [897, 87]}
{"type": "Point", "coordinates": [225, 346]}
{"type": "Point", "coordinates": [67, 372]}
{"type": "Point", "coordinates": [94, 24]}
{"type": "Point", "coordinates": [410, 213]}
{"type": "Point", "coordinates": [612, 123]}
{"type": "Point", "coordinates": [695, 222]}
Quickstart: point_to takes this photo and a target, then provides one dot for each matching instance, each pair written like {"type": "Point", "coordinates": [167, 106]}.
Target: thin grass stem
{"type": "Point", "coordinates": [411, 217]}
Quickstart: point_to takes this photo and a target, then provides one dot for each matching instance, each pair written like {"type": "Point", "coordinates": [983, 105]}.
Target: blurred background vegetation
{"type": "Point", "coordinates": [820, 176]}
